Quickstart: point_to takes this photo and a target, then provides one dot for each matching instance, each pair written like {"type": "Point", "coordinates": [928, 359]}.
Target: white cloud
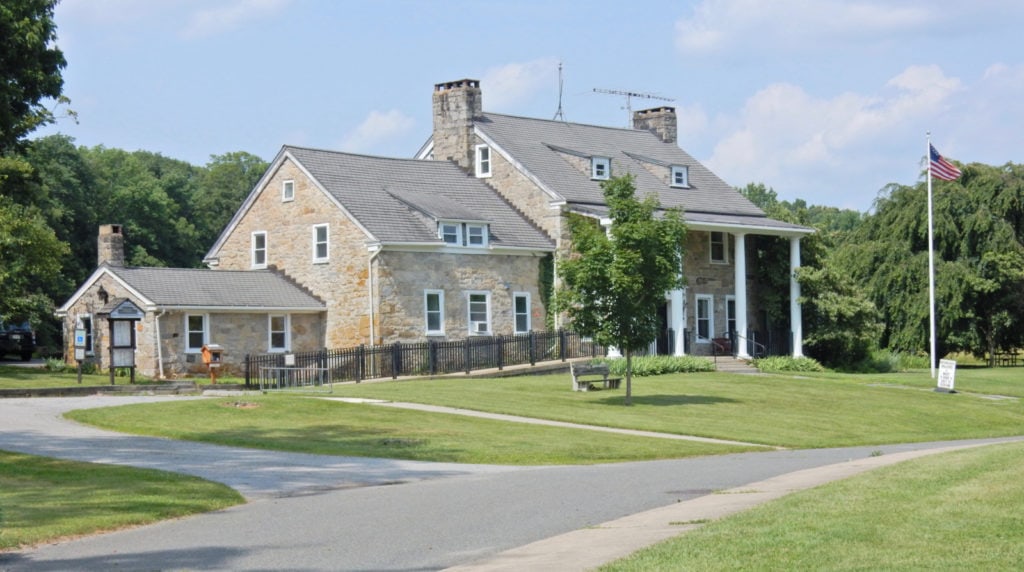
{"type": "Point", "coordinates": [512, 84]}
{"type": "Point", "coordinates": [377, 128]}
{"type": "Point", "coordinates": [739, 25]}
{"type": "Point", "coordinates": [785, 136]}
{"type": "Point", "coordinates": [229, 16]}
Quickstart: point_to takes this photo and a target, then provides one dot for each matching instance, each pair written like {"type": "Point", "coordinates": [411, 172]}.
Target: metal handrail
{"type": "Point", "coordinates": [757, 345]}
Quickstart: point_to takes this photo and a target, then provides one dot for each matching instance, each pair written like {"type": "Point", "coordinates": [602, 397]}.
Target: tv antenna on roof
{"type": "Point", "coordinates": [559, 114]}
{"type": "Point", "coordinates": [629, 100]}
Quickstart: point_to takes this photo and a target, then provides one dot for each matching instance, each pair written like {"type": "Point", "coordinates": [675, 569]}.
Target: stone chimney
{"type": "Point", "coordinates": [456, 104]}
{"type": "Point", "coordinates": [661, 121]}
{"type": "Point", "coordinates": [110, 246]}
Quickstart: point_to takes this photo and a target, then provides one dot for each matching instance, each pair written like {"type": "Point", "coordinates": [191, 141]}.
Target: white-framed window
{"type": "Point", "coordinates": [321, 243]}
{"type": "Point", "coordinates": [483, 161]}
{"type": "Point", "coordinates": [680, 176]}
{"type": "Point", "coordinates": [705, 317]}
{"type": "Point", "coordinates": [433, 312]}
{"type": "Point", "coordinates": [450, 233]}
{"type": "Point", "coordinates": [280, 336]}
{"type": "Point", "coordinates": [718, 247]}
{"type": "Point", "coordinates": [287, 191]}
{"type": "Point", "coordinates": [600, 168]}
{"type": "Point", "coordinates": [521, 311]}
{"type": "Point", "coordinates": [196, 332]}
{"type": "Point", "coordinates": [476, 235]}
{"type": "Point", "coordinates": [730, 313]}
{"type": "Point", "coordinates": [259, 249]}
{"type": "Point", "coordinates": [479, 305]}
{"type": "Point", "coordinates": [86, 320]}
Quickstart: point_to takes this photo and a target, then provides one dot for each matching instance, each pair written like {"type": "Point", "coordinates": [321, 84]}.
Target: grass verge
{"type": "Point", "coordinates": [954, 511]}
{"type": "Point", "coordinates": [43, 499]}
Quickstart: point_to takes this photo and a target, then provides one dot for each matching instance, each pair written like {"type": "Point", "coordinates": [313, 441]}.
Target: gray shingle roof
{"type": "Point", "coordinates": [370, 188]}
{"type": "Point", "coordinates": [201, 288]}
{"type": "Point", "coordinates": [535, 143]}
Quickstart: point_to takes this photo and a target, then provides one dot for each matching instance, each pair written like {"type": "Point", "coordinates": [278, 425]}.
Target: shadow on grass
{"type": "Point", "coordinates": [668, 400]}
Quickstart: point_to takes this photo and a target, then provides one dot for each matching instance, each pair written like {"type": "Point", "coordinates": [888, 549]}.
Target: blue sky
{"type": "Point", "coordinates": [824, 100]}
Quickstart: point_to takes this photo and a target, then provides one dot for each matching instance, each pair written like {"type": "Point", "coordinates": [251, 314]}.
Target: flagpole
{"type": "Point", "coordinates": [931, 261]}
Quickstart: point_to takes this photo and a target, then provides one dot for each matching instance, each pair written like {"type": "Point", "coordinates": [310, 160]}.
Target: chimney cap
{"type": "Point", "coordinates": [653, 110]}
{"type": "Point", "coordinates": [459, 83]}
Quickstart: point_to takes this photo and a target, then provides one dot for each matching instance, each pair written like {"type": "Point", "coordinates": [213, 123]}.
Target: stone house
{"type": "Point", "coordinates": [186, 308]}
{"type": "Point", "coordinates": [399, 250]}
{"type": "Point", "coordinates": [548, 167]}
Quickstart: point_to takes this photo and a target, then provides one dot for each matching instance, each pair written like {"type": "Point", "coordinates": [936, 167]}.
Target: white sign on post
{"type": "Point", "coordinates": [947, 373]}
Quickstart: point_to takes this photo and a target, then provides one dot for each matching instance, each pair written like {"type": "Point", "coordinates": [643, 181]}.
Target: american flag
{"type": "Point", "coordinates": [941, 168]}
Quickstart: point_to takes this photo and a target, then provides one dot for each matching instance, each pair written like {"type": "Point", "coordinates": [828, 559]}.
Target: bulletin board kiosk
{"type": "Point", "coordinates": [122, 317]}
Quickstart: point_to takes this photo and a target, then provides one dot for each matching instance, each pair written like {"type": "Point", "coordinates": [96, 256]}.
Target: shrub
{"type": "Point", "coordinates": [658, 365]}
{"type": "Point", "coordinates": [55, 365]}
{"type": "Point", "coordinates": [787, 363]}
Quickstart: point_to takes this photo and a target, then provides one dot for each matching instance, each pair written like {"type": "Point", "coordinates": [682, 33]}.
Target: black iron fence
{"type": "Point", "coordinates": [431, 357]}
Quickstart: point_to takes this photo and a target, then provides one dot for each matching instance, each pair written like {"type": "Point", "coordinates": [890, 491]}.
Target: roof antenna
{"type": "Point", "coordinates": [559, 114]}
{"type": "Point", "coordinates": [629, 96]}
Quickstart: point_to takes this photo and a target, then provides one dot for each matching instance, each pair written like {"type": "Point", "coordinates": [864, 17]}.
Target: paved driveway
{"type": "Point", "coordinates": [319, 513]}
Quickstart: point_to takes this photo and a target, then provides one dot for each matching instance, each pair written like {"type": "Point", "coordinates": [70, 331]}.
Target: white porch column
{"type": "Point", "coordinates": [677, 321]}
{"type": "Point", "coordinates": [740, 260]}
{"type": "Point", "coordinates": [795, 311]}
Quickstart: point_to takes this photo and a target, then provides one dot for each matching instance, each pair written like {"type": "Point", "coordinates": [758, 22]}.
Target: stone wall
{"type": "Point", "coordinates": [405, 275]}
{"type": "Point", "coordinates": [524, 195]}
{"type": "Point", "coordinates": [715, 279]}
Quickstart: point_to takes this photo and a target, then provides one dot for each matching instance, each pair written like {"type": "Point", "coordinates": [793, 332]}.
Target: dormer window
{"type": "Point", "coordinates": [287, 191]}
{"type": "Point", "coordinates": [463, 234]}
{"type": "Point", "coordinates": [450, 233]}
{"type": "Point", "coordinates": [483, 161]}
{"type": "Point", "coordinates": [600, 168]}
{"type": "Point", "coordinates": [680, 176]}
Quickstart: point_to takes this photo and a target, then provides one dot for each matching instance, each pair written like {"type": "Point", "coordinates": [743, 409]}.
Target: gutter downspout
{"type": "Point", "coordinates": [159, 347]}
{"type": "Point", "coordinates": [369, 282]}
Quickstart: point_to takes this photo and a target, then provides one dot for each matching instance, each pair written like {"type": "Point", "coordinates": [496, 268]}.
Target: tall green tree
{"type": "Point", "coordinates": [978, 230]}
{"type": "Point", "coordinates": [614, 281]}
{"type": "Point", "coordinates": [223, 185]}
{"type": "Point", "coordinates": [30, 68]}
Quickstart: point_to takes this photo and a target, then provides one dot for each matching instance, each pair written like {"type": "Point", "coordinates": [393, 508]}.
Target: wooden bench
{"type": "Point", "coordinates": [585, 369]}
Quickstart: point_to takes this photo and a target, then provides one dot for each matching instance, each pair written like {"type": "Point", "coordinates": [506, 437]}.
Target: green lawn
{"type": "Point", "coordinates": [12, 377]}
{"type": "Point", "coordinates": [953, 511]}
{"type": "Point", "coordinates": [301, 424]}
{"type": "Point", "coordinates": [42, 500]}
{"type": "Point", "coordinates": [791, 411]}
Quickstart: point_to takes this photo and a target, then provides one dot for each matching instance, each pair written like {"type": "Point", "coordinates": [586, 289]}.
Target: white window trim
{"type": "Point", "coordinates": [327, 243]}
{"type": "Point", "coordinates": [711, 317]}
{"type": "Point", "coordinates": [469, 313]}
{"type": "Point", "coordinates": [686, 176]}
{"type": "Point", "coordinates": [287, 333]}
{"type": "Point", "coordinates": [206, 333]}
{"type": "Point", "coordinates": [596, 162]}
{"type": "Point", "coordinates": [729, 298]}
{"type": "Point", "coordinates": [515, 314]}
{"type": "Point", "coordinates": [483, 167]}
{"type": "Point", "coordinates": [252, 250]}
{"type": "Point", "coordinates": [483, 233]}
{"type": "Point", "coordinates": [426, 312]}
{"type": "Point", "coordinates": [725, 248]}
{"type": "Point", "coordinates": [287, 191]}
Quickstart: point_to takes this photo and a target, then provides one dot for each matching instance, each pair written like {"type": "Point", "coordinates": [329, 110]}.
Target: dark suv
{"type": "Point", "coordinates": [18, 340]}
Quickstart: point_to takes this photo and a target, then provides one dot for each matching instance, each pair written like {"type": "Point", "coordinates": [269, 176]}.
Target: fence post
{"type": "Point", "coordinates": [532, 347]}
{"type": "Point", "coordinates": [247, 379]}
{"type": "Point", "coordinates": [467, 356]}
{"type": "Point", "coordinates": [432, 357]}
{"type": "Point", "coordinates": [500, 346]}
{"type": "Point", "coordinates": [360, 362]}
{"type": "Point", "coordinates": [563, 344]}
{"type": "Point", "coordinates": [396, 360]}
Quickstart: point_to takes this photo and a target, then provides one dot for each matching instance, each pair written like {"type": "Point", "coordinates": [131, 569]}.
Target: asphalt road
{"type": "Point", "coordinates": [311, 512]}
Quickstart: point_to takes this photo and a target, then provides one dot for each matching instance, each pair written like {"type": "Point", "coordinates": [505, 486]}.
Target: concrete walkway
{"type": "Point", "coordinates": [315, 512]}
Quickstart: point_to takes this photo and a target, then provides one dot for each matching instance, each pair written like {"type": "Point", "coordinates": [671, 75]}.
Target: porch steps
{"type": "Point", "coordinates": [730, 364]}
